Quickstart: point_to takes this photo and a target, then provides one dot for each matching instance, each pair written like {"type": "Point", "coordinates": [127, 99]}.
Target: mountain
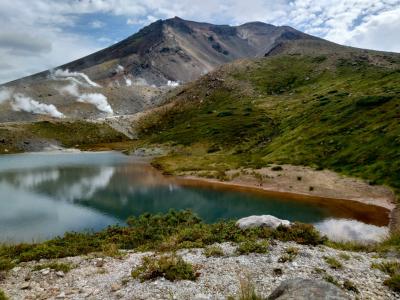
{"type": "Point", "coordinates": [136, 73]}
{"type": "Point", "coordinates": [338, 111]}
{"type": "Point", "coordinates": [178, 50]}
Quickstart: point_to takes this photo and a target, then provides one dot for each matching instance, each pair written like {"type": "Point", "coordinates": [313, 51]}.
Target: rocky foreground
{"type": "Point", "coordinates": [99, 277]}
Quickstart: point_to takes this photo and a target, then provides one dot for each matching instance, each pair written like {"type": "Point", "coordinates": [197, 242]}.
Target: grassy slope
{"type": "Point", "coordinates": [328, 112]}
{"type": "Point", "coordinates": [14, 138]}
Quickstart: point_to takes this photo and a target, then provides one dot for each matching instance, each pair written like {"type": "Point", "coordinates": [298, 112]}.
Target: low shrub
{"type": "Point", "coordinates": [6, 264]}
{"type": "Point", "coordinates": [393, 282]}
{"type": "Point", "coordinates": [215, 251]}
{"type": "Point", "coordinates": [348, 285]}
{"type": "Point", "coordinates": [300, 233]}
{"type": "Point", "coordinates": [276, 168]}
{"type": "Point", "coordinates": [252, 247]}
{"type": "Point", "coordinates": [390, 268]}
{"type": "Point", "coordinates": [171, 267]}
{"type": "Point", "coordinates": [54, 266]}
{"type": "Point", "coordinates": [289, 256]}
{"type": "Point", "coordinates": [333, 262]}
{"type": "Point", "coordinates": [3, 296]}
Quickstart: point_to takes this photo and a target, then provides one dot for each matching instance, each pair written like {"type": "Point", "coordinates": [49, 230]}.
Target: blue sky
{"type": "Point", "coordinates": [41, 34]}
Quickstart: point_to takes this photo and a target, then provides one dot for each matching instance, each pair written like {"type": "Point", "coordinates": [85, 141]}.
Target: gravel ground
{"type": "Point", "coordinates": [109, 278]}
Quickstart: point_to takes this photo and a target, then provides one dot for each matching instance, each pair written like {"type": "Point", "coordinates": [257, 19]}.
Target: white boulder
{"type": "Point", "coordinates": [261, 221]}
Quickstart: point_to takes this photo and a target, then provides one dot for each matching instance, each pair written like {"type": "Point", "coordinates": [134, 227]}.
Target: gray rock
{"type": "Point", "coordinates": [307, 289]}
{"type": "Point", "coordinates": [261, 221]}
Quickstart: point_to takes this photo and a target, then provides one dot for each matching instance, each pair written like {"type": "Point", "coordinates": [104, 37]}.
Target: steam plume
{"type": "Point", "coordinates": [24, 103]}
{"type": "Point", "coordinates": [5, 95]}
{"type": "Point", "coordinates": [97, 99]}
{"type": "Point", "coordinates": [72, 75]}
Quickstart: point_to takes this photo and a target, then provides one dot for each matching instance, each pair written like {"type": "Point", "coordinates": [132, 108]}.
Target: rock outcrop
{"type": "Point", "coordinates": [261, 221]}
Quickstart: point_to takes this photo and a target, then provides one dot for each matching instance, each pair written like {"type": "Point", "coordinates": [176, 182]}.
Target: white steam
{"type": "Point", "coordinates": [25, 103]}
{"type": "Point", "coordinates": [73, 76]}
{"type": "Point", "coordinates": [128, 81]}
{"type": "Point", "coordinates": [119, 69]}
{"type": "Point", "coordinates": [71, 89]}
{"type": "Point", "coordinates": [97, 99]}
{"type": "Point", "coordinates": [172, 83]}
{"type": "Point", "coordinates": [5, 95]}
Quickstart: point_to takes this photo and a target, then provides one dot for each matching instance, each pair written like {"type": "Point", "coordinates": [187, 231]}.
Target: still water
{"type": "Point", "coordinates": [43, 195]}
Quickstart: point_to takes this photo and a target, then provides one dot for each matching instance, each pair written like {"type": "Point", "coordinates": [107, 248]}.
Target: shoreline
{"type": "Point", "coordinates": [376, 198]}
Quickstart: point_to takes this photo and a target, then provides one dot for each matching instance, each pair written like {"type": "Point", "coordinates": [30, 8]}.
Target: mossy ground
{"type": "Point", "coordinates": [339, 114]}
{"type": "Point", "coordinates": [16, 138]}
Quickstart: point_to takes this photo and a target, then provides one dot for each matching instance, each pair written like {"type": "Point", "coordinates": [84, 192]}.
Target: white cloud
{"type": "Point", "coordinates": [97, 24]}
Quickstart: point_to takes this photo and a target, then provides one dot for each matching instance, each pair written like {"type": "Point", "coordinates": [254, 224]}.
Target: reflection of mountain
{"type": "Point", "coordinates": [132, 189]}
{"type": "Point", "coordinates": [44, 201]}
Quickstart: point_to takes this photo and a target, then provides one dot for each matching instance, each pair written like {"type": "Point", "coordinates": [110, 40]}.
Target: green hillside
{"type": "Point", "coordinates": [321, 111]}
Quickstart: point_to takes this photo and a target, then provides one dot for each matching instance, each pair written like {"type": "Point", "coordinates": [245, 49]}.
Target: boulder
{"type": "Point", "coordinates": [307, 289]}
{"type": "Point", "coordinates": [261, 221]}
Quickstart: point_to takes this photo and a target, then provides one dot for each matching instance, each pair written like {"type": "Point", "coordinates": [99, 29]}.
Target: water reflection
{"type": "Point", "coordinates": [45, 195]}
{"type": "Point", "coordinates": [351, 230]}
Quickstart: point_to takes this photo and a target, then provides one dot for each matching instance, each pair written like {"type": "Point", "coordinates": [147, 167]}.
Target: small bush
{"type": "Point", "coordinates": [299, 178]}
{"type": "Point", "coordinates": [54, 266]}
{"type": "Point", "coordinates": [311, 188]}
{"type": "Point", "coordinates": [3, 296]}
{"type": "Point", "coordinates": [348, 285]}
{"type": "Point", "coordinates": [331, 279]}
{"type": "Point", "coordinates": [300, 233]}
{"type": "Point", "coordinates": [276, 168]}
{"type": "Point", "coordinates": [252, 247]}
{"type": "Point", "coordinates": [393, 282]}
{"type": "Point", "coordinates": [171, 267]}
{"type": "Point", "coordinates": [333, 262]}
{"type": "Point", "coordinates": [213, 251]}
{"type": "Point", "coordinates": [290, 255]}
{"type": "Point", "coordinates": [224, 114]}
{"type": "Point", "coordinates": [344, 256]}
{"type": "Point", "coordinates": [6, 264]}
{"type": "Point", "coordinates": [247, 291]}
{"type": "Point", "coordinates": [389, 268]}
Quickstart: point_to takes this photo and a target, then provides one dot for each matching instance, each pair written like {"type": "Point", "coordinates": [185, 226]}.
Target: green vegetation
{"type": "Point", "coordinates": [160, 232]}
{"type": "Point", "coordinates": [6, 264]}
{"type": "Point", "coordinates": [171, 267]}
{"type": "Point", "coordinates": [331, 279]}
{"type": "Point", "coordinates": [3, 296]}
{"type": "Point", "coordinates": [339, 114]}
{"type": "Point", "coordinates": [54, 266]}
{"type": "Point", "coordinates": [333, 262]}
{"type": "Point", "coordinates": [81, 134]}
{"type": "Point", "coordinates": [247, 291]}
{"type": "Point", "coordinates": [213, 250]}
{"type": "Point", "coordinates": [393, 270]}
{"type": "Point", "coordinates": [350, 286]}
{"type": "Point", "coordinates": [390, 268]}
{"type": "Point", "coordinates": [252, 247]}
{"type": "Point", "coordinates": [344, 256]}
{"type": "Point", "coordinates": [290, 255]}
{"type": "Point", "coordinates": [393, 282]}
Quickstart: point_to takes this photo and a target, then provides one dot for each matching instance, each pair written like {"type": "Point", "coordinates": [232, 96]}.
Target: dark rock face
{"type": "Point", "coordinates": [307, 289]}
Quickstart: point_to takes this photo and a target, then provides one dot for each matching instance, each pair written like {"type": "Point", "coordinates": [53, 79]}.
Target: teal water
{"type": "Point", "coordinates": [43, 195]}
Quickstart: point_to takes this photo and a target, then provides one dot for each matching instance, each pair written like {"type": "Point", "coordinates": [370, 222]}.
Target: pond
{"type": "Point", "coordinates": [43, 195]}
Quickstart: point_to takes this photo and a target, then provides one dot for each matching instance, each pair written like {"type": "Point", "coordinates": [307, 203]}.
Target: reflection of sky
{"type": "Point", "coordinates": [349, 230]}
{"type": "Point", "coordinates": [26, 216]}
{"type": "Point", "coordinates": [45, 195]}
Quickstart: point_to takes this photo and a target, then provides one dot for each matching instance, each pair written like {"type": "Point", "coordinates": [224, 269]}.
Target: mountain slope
{"type": "Point", "coordinates": [136, 73]}
{"type": "Point", "coordinates": [179, 50]}
{"type": "Point", "coordinates": [325, 111]}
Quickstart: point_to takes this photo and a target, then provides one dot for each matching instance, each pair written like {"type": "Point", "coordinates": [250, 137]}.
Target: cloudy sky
{"type": "Point", "coordinates": [39, 34]}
